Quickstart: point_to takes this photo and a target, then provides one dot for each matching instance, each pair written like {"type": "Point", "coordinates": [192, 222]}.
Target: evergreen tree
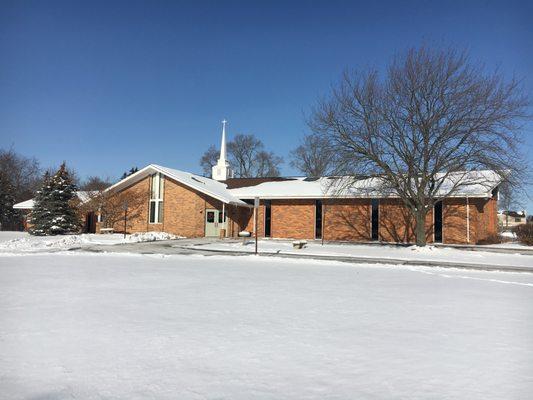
{"type": "Point", "coordinates": [130, 172]}
{"type": "Point", "coordinates": [9, 218]}
{"type": "Point", "coordinates": [53, 212]}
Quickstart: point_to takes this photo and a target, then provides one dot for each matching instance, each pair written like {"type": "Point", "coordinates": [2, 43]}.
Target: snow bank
{"type": "Point", "coordinates": [23, 242]}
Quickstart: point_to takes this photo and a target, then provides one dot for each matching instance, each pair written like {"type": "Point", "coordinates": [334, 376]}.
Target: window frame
{"type": "Point", "coordinates": [156, 198]}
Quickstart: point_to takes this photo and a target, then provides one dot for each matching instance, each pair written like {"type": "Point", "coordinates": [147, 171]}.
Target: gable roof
{"type": "Point", "coordinates": [470, 184]}
{"type": "Point", "coordinates": [210, 187]}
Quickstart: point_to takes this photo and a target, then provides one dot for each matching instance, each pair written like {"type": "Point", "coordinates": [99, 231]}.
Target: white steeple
{"type": "Point", "coordinates": [222, 170]}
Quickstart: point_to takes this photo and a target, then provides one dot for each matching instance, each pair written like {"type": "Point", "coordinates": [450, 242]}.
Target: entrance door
{"type": "Point", "coordinates": [213, 222]}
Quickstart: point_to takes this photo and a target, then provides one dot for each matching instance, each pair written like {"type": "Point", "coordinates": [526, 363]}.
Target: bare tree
{"type": "Point", "coordinates": [209, 158]}
{"type": "Point", "coordinates": [110, 205]}
{"type": "Point", "coordinates": [313, 156]}
{"type": "Point", "coordinates": [23, 173]}
{"type": "Point", "coordinates": [247, 157]}
{"type": "Point", "coordinates": [266, 164]}
{"type": "Point", "coordinates": [510, 198]}
{"type": "Point", "coordinates": [433, 118]}
{"type": "Point", "coordinates": [95, 183]}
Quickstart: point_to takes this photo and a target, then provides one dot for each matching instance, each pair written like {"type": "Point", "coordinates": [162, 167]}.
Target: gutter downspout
{"type": "Point", "coordinates": [467, 220]}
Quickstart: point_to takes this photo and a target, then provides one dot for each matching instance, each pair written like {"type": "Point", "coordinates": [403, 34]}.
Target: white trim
{"type": "Point", "coordinates": [319, 197]}
{"type": "Point", "coordinates": [158, 199]}
{"type": "Point", "coordinates": [226, 197]}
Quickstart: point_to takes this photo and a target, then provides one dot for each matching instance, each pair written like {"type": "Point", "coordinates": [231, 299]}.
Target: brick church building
{"type": "Point", "coordinates": [190, 205]}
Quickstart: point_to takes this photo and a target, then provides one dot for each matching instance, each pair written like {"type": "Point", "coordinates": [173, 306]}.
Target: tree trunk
{"type": "Point", "coordinates": [420, 229]}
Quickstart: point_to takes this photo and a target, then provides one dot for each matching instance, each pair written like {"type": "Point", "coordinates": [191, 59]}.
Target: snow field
{"type": "Point", "coordinates": [98, 326]}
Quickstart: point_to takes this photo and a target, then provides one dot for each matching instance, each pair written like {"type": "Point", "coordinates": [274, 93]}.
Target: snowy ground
{"type": "Point", "coordinates": [16, 242]}
{"type": "Point", "coordinates": [94, 326]}
{"type": "Point", "coordinates": [429, 253]}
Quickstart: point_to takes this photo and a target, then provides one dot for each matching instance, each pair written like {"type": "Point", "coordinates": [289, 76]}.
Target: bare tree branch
{"type": "Point", "coordinates": [422, 129]}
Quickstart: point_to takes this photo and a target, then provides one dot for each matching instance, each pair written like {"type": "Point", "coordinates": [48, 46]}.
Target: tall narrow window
{"type": "Point", "coordinates": [318, 219]}
{"type": "Point", "coordinates": [375, 219]}
{"type": "Point", "coordinates": [156, 199]}
{"type": "Point", "coordinates": [437, 225]}
{"type": "Point", "coordinates": [268, 217]}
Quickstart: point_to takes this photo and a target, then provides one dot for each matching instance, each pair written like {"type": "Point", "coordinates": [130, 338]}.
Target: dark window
{"type": "Point", "coordinates": [220, 217]}
{"type": "Point", "coordinates": [210, 216]}
{"type": "Point", "coordinates": [375, 219]}
{"type": "Point", "coordinates": [268, 217]}
{"type": "Point", "coordinates": [152, 211]}
{"type": "Point", "coordinates": [438, 222]}
{"type": "Point", "coordinates": [318, 219]}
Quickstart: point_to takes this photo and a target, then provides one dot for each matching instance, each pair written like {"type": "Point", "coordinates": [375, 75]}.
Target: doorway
{"type": "Point", "coordinates": [374, 218]}
{"type": "Point", "coordinates": [318, 219]}
{"type": "Point", "coordinates": [437, 225]}
{"type": "Point", "coordinates": [214, 222]}
{"type": "Point", "coordinates": [90, 223]}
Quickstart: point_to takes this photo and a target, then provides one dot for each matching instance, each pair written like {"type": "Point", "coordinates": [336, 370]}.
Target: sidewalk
{"type": "Point", "coordinates": [361, 253]}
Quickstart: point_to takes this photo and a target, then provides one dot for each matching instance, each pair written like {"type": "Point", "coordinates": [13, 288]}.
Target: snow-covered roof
{"type": "Point", "coordinates": [24, 205]}
{"type": "Point", "coordinates": [210, 187]}
{"type": "Point", "coordinates": [471, 184]}
{"type": "Point", "coordinates": [28, 204]}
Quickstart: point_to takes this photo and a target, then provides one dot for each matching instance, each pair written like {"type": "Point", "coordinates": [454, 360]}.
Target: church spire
{"type": "Point", "coordinates": [222, 158]}
{"type": "Point", "coordinates": [222, 170]}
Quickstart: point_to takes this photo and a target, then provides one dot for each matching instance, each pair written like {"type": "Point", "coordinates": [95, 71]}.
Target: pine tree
{"type": "Point", "coordinates": [53, 212]}
{"type": "Point", "coordinates": [9, 217]}
{"type": "Point", "coordinates": [130, 172]}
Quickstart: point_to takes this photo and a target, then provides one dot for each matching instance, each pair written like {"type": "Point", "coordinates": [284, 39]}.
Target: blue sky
{"type": "Point", "coordinates": [109, 85]}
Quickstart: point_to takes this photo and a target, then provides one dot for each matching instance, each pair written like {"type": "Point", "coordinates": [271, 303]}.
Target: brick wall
{"type": "Point", "coordinates": [483, 220]}
{"type": "Point", "coordinates": [183, 210]}
{"type": "Point", "coordinates": [293, 219]}
{"type": "Point", "coordinates": [344, 219]}
{"type": "Point", "coordinates": [347, 219]}
{"type": "Point", "coordinates": [249, 220]}
{"type": "Point", "coordinates": [396, 223]}
{"type": "Point", "coordinates": [139, 223]}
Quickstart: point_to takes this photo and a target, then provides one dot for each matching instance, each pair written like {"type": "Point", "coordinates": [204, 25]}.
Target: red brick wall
{"type": "Point", "coordinates": [396, 223]}
{"type": "Point", "coordinates": [183, 210]}
{"type": "Point", "coordinates": [347, 219]}
{"type": "Point", "coordinates": [483, 215]}
{"type": "Point", "coordinates": [293, 219]}
{"type": "Point", "coordinates": [344, 219]}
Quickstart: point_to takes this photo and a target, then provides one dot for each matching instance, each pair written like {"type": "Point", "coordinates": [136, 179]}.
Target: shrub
{"type": "Point", "coordinates": [524, 233]}
{"type": "Point", "coordinates": [491, 239]}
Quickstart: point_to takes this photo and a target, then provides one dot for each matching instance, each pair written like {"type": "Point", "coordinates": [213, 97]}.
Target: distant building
{"type": "Point", "coordinates": [508, 219]}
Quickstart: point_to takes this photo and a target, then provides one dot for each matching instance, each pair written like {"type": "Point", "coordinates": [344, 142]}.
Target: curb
{"type": "Point", "coordinates": [369, 260]}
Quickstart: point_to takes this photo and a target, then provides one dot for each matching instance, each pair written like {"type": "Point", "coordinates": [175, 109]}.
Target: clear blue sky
{"type": "Point", "coordinates": [109, 85]}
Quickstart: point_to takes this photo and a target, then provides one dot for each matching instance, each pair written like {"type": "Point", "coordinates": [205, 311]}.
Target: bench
{"type": "Point", "coordinates": [107, 230]}
{"type": "Point", "coordinates": [299, 244]}
{"type": "Point", "coordinates": [244, 235]}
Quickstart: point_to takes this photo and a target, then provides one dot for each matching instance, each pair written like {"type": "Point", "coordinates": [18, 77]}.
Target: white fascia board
{"type": "Point", "coordinates": [152, 168]}
{"type": "Point", "coordinates": [131, 179]}
{"type": "Point", "coordinates": [308, 197]}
